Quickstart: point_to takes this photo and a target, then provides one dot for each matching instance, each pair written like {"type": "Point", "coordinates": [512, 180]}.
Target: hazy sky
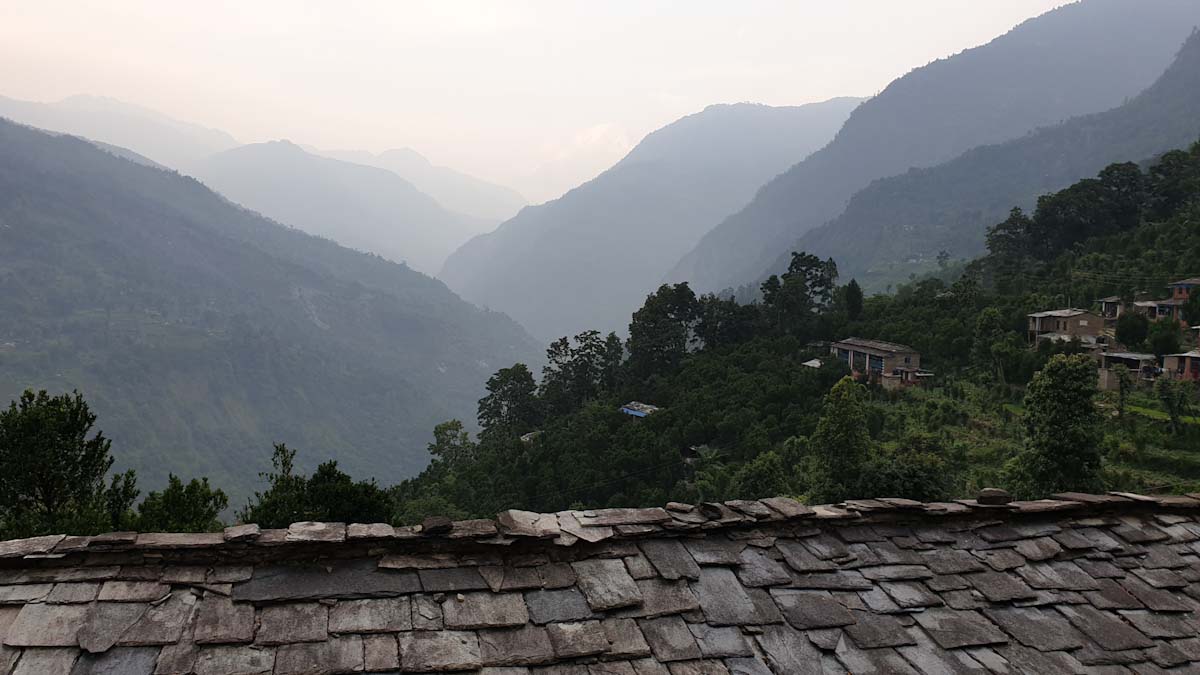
{"type": "Point", "coordinates": [537, 94]}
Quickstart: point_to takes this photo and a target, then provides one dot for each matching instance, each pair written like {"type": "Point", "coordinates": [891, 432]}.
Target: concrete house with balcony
{"type": "Point", "coordinates": [887, 363]}
{"type": "Point", "coordinates": [1066, 324]}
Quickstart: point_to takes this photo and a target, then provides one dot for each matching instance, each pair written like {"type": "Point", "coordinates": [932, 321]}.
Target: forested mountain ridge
{"type": "Point", "coordinates": [360, 207]}
{"type": "Point", "coordinates": [202, 332]}
{"type": "Point", "coordinates": [457, 191]}
{"type": "Point", "coordinates": [588, 258]}
{"type": "Point", "coordinates": [147, 132]}
{"type": "Point", "coordinates": [742, 416]}
{"type": "Point", "coordinates": [910, 218]}
{"type": "Point", "coordinates": [1082, 58]}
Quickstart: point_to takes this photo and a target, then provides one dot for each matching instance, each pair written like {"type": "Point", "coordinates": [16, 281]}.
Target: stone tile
{"type": "Point", "coordinates": [1111, 595]}
{"type": "Point", "coordinates": [1104, 628]}
{"type": "Point", "coordinates": [757, 568]}
{"type": "Point", "coordinates": [714, 549]}
{"type": "Point", "coordinates": [556, 575]}
{"type": "Point", "coordinates": [69, 593]}
{"type": "Point", "coordinates": [1002, 560]}
{"type": "Point", "coordinates": [608, 668]}
{"type": "Point", "coordinates": [41, 625]}
{"type": "Point", "coordinates": [18, 548]}
{"type": "Point", "coordinates": [426, 613]}
{"type": "Point", "coordinates": [670, 639]}
{"type": "Point", "coordinates": [439, 651]}
{"type": "Point", "coordinates": [1160, 626]}
{"type": "Point", "coordinates": [228, 574]}
{"type": "Point", "coordinates": [295, 622]}
{"type": "Point", "coordinates": [787, 651]}
{"type": "Point", "coordinates": [806, 610]}
{"type": "Point", "coordinates": [671, 559]}
{"type": "Point", "coordinates": [163, 623]}
{"type": "Point", "coordinates": [720, 642]}
{"type": "Point", "coordinates": [1161, 578]}
{"type": "Point", "coordinates": [132, 591]}
{"type": "Point", "coordinates": [241, 660]}
{"type": "Point", "coordinates": [910, 594]}
{"type": "Point", "coordinates": [380, 615]}
{"type": "Point", "coordinates": [723, 600]}
{"type": "Point", "coordinates": [660, 598]}
{"type": "Point", "coordinates": [952, 629]}
{"type": "Point", "coordinates": [1020, 659]}
{"type": "Point", "coordinates": [951, 561]}
{"type": "Point", "coordinates": [697, 668]}
{"type": "Point", "coordinates": [46, 662]}
{"type": "Point", "coordinates": [625, 639]}
{"type": "Point", "coordinates": [801, 559]}
{"type": "Point", "coordinates": [1157, 599]}
{"type": "Point", "coordinates": [575, 639]}
{"type": "Point", "coordinates": [1043, 629]}
{"type": "Point", "coordinates": [747, 666]}
{"type": "Point", "coordinates": [606, 584]}
{"type": "Point", "coordinates": [927, 657]}
{"type": "Point", "coordinates": [220, 621]}
{"type": "Point", "coordinates": [344, 580]}
{"type": "Point", "coordinates": [23, 593]}
{"type": "Point", "coordinates": [567, 604]}
{"type": "Point", "coordinates": [484, 610]}
{"type": "Point", "coordinates": [380, 652]}
{"type": "Point", "coordinates": [872, 631]}
{"type": "Point", "coordinates": [106, 622]}
{"type": "Point", "coordinates": [524, 646]}
{"type": "Point", "coordinates": [896, 572]}
{"type": "Point", "coordinates": [452, 580]}
{"type": "Point", "coordinates": [1000, 586]}
{"type": "Point", "coordinates": [336, 655]}
{"type": "Point", "coordinates": [947, 582]}
{"type": "Point", "coordinates": [870, 661]}
{"type": "Point", "coordinates": [118, 661]}
{"type": "Point", "coordinates": [506, 578]}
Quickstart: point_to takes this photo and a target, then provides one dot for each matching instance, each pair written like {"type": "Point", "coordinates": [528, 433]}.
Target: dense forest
{"type": "Point", "coordinates": [741, 416]}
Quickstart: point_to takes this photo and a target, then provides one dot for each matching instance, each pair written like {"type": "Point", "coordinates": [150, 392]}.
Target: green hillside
{"type": "Point", "coordinates": [201, 332]}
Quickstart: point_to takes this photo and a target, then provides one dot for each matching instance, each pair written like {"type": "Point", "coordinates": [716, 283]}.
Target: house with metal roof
{"type": "Point", "coordinates": [1185, 366]}
{"type": "Point", "coordinates": [890, 364]}
{"type": "Point", "coordinates": [639, 409]}
{"type": "Point", "coordinates": [1064, 325]}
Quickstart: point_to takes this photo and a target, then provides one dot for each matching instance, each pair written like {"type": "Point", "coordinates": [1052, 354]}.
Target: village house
{"type": "Point", "coordinates": [639, 409]}
{"type": "Point", "coordinates": [1184, 366]}
{"type": "Point", "coordinates": [891, 365]}
{"type": "Point", "coordinates": [1172, 307]}
{"type": "Point", "coordinates": [1143, 368]}
{"type": "Point", "coordinates": [1111, 309]}
{"type": "Point", "coordinates": [1063, 325]}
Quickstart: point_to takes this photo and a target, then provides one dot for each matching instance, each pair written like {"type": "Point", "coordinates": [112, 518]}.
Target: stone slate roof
{"type": "Point", "coordinates": [1079, 583]}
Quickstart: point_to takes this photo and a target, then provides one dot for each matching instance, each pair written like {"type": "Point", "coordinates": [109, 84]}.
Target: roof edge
{"type": "Point", "coordinates": [568, 528]}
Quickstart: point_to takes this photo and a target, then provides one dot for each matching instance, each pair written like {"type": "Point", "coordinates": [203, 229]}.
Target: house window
{"type": "Point", "coordinates": [907, 360]}
{"type": "Point", "coordinates": [876, 364]}
{"type": "Point", "coordinates": [1083, 322]}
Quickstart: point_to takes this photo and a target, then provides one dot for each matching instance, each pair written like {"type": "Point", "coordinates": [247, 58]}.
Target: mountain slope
{"type": "Point", "coordinates": [361, 207]}
{"type": "Point", "coordinates": [457, 191]}
{"type": "Point", "coordinates": [202, 332]}
{"type": "Point", "coordinates": [1081, 58]}
{"type": "Point", "coordinates": [913, 216]}
{"type": "Point", "coordinates": [587, 259]}
{"type": "Point", "coordinates": [158, 137]}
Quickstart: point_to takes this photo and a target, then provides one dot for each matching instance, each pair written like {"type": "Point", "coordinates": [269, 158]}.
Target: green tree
{"type": "Point", "coordinates": [1063, 430]}
{"type": "Point", "coordinates": [194, 507]}
{"type": "Point", "coordinates": [661, 331]}
{"type": "Point", "coordinates": [1124, 387]}
{"type": "Point", "coordinates": [328, 495]}
{"type": "Point", "coordinates": [511, 405]}
{"type": "Point", "coordinates": [52, 474]}
{"type": "Point", "coordinates": [1132, 328]}
{"type": "Point", "coordinates": [916, 469]}
{"type": "Point", "coordinates": [1165, 337]}
{"type": "Point", "coordinates": [451, 444]}
{"type": "Point", "coordinates": [1176, 397]}
{"type": "Point", "coordinates": [283, 503]}
{"type": "Point", "coordinates": [1191, 308]}
{"type": "Point", "coordinates": [841, 443]}
{"type": "Point", "coordinates": [854, 300]}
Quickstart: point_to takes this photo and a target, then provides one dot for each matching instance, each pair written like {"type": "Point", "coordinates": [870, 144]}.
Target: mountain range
{"type": "Point", "coordinates": [588, 259]}
{"type": "Point", "coordinates": [457, 191]}
{"type": "Point", "coordinates": [362, 207]}
{"type": "Point", "coordinates": [202, 332]}
{"type": "Point", "coordinates": [1078, 59]}
{"type": "Point", "coordinates": [902, 221]}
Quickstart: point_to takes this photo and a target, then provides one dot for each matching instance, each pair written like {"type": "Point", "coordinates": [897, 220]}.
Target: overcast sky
{"type": "Point", "coordinates": [537, 94]}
